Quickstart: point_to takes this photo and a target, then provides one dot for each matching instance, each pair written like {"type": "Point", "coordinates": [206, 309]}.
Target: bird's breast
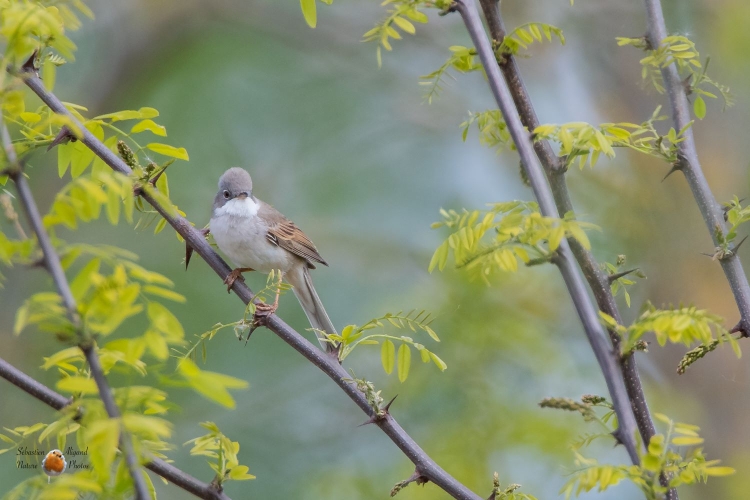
{"type": "Point", "coordinates": [243, 240]}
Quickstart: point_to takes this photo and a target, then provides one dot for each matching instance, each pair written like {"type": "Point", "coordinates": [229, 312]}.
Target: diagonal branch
{"type": "Point", "coordinates": [52, 263]}
{"type": "Point", "coordinates": [605, 355]}
{"type": "Point", "coordinates": [327, 363]}
{"type": "Point", "coordinates": [691, 167]}
{"type": "Point", "coordinates": [58, 402]}
{"type": "Point", "coordinates": [598, 281]}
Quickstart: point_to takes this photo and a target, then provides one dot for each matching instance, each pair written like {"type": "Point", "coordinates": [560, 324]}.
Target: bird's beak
{"type": "Point", "coordinates": [242, 195]}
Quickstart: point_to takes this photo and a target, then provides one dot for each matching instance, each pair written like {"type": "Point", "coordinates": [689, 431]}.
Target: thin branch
{"type": "Point", "coordinates": [31, 386]}
{"type": "Point", "coordinates": [691, 168]}
{"type": "Point", "coordinates": [157, 465]}
{"type": "Point", "coordinates": [605, 355]}
{"type": "Point", "coordinates": [598, 281]}
{"type": "Point", "coordinates": [328, 364]}
{"type": "Point", "coordinates": [52, 263]}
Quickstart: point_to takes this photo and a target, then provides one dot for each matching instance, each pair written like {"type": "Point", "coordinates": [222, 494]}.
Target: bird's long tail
{"type": "Point", "coordinates": [299, 277]}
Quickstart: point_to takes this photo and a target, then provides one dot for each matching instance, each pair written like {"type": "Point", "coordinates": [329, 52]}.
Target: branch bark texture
{"type": "Point", "coordinates": [328, 364]}
{"type": "Point", "coordinates": [592, 271]}
{"type": "Point", "coordinates": [690, 166]}
{"type": "Point", "coordinates": [607, 358]}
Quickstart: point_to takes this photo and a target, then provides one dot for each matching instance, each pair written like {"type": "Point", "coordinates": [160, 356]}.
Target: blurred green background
{"type": "Point", "coordinates": [356, 158]}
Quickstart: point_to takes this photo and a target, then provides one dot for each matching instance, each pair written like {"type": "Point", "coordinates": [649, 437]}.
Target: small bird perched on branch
{"type": "Point", "coordinates": [257, 237]}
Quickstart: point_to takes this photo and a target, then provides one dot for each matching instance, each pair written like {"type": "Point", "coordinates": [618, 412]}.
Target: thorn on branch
{"type": "Point", "coordinates": [189, 249]}
{"type": "Point", "coordinates": [388, 406]}
{"type": "Point", "coordinates": [742, 328]}
{"type": "Point", "coordinates": [63, 137]}
{"type": "Point", "coordinates": [675, 167]}
{"type": "Point", "coordinates": [30, 65]}
{"type": "Point", "coordinates": [614, 277]}
{"type": "Point", "coordinates": [687, 87]}
{"type": "Point", "coordinates": [417, 477]}
{"type": "Point", "coordinates": [163, 169]}
{"type": "Point", "coordinates": [617, 434]}
{"type": "Point", "coordinates": [453, 7]}
{"type": "Point", "coordinates": [734, 250]}
{"type": "Point", "coordinates": [38, 263]}
{"type": "Point", "coordinates": [380, 414]}
{"type": "Point", "coordinates": [648, 44]}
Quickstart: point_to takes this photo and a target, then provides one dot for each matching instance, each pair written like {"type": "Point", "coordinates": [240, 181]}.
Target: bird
{"type": "Point", "coordinates": [257, 237]}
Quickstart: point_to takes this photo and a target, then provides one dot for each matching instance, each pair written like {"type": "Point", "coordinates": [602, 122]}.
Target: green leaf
{"type": "Point", "coordinates": [160, 226]}
{"type": "Point", "coordinates": [83, 385]}
{"type": "Point", "coordinates": [404, 362]}
{"type": "Point", "coordinates": [64, 152]}
{"type": "Point", "coordinates": [49, 70]}
{"type": "Point", "coordinates": [699, 107]}
{"type": "Point", "coordinates": [348, 329]}
{"type": "Point", "coordinates": [425, 354]}
{"type": "Point", "coordinates": [210, 384]}
{"type": "Point", "coordinates": [309, 11]}
{"type": "Point", "coordinates": [404, 25]}
{"type": "Point", "coordinates": [82, 282]}
{"type": "Point", "coordinates": [439, 362]}
{"type": "Point", "coordinates": [719, 471]}
{"type": "Point", "coordinates": [387, 355]}
{"type": "Point", "coordinates": [22, 317]}
{"type": "Point", "coordinates": [149, 125]}
{"type": "Point", "coordinates": [101, 437]}
{"type": "Point", "coordinates": [130, 115]}
{"type": "Point", "coordinates": [156, 344]}
{"type": "Point", "coordinates": [555, 237]}
{"type": "Point", "coordinates": [687, 440]}
{"type": "Point", "coordinates": [164, 321]}
{"type": "Point", "coordinates": [167, 150]}
{"type": "Point", "coordinates": [239, 473]}
{"type": "Point", "coordinates": [57, 426]}
{"type": "Point", "coordinates": [164, 293]}
{"type": "Point", "coordinates": [64, 356]}
{"type": "Point", "coordinates": [113, 206]}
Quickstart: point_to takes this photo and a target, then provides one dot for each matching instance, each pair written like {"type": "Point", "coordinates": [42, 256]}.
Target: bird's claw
{"type": "Point", "coordinates": [262, 312]}
{"type": "Point", "coordinates": [235, 275]}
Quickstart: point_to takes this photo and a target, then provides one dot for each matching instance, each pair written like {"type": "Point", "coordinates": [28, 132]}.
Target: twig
{"type": "Point", "coordinates": [691, 168]}
{"type": "Point", "coordinates": [605, 355]}
{"type": "Point", "coordinates": [158, 466]}
{"type": "Point", "coordinates": [598, 281]}
{"type": "Point", "coordinates": [52, 263]}
{"type": "Point", "coordinates": [11, 215]}
{"type": "Point", "coordinates": [326, 363]}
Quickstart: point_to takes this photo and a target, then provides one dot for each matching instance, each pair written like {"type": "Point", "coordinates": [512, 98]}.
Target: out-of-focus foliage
{"type": "Point", "coordinates": [526, 34]}
{"type": "Point", "coordinates": [248, 85]}
{"type": "Point", "coordinates": [681, 51]}
{"type": "Point", "coordinates": [487, 241]}
{"type": "Point", "coordinates": [674, 454]}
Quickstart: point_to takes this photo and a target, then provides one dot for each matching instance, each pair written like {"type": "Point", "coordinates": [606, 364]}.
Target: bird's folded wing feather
{"type": "Point", "coordinates": [285, 234]}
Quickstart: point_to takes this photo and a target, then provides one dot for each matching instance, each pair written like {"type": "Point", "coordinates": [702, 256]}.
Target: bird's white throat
{"type": "Point", "coordinates": [239, 207]}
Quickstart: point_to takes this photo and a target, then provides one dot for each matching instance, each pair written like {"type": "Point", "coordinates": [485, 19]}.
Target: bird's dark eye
{"type": "Point", "coordinates": [226, 194]}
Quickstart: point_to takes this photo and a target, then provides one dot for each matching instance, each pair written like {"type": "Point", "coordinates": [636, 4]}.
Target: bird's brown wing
{"type": "Point", "coordinates": [284, 233]}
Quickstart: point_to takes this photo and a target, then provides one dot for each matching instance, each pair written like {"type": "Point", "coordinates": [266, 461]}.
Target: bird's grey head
{"type": "Point", "coordinates": [235, 183]}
